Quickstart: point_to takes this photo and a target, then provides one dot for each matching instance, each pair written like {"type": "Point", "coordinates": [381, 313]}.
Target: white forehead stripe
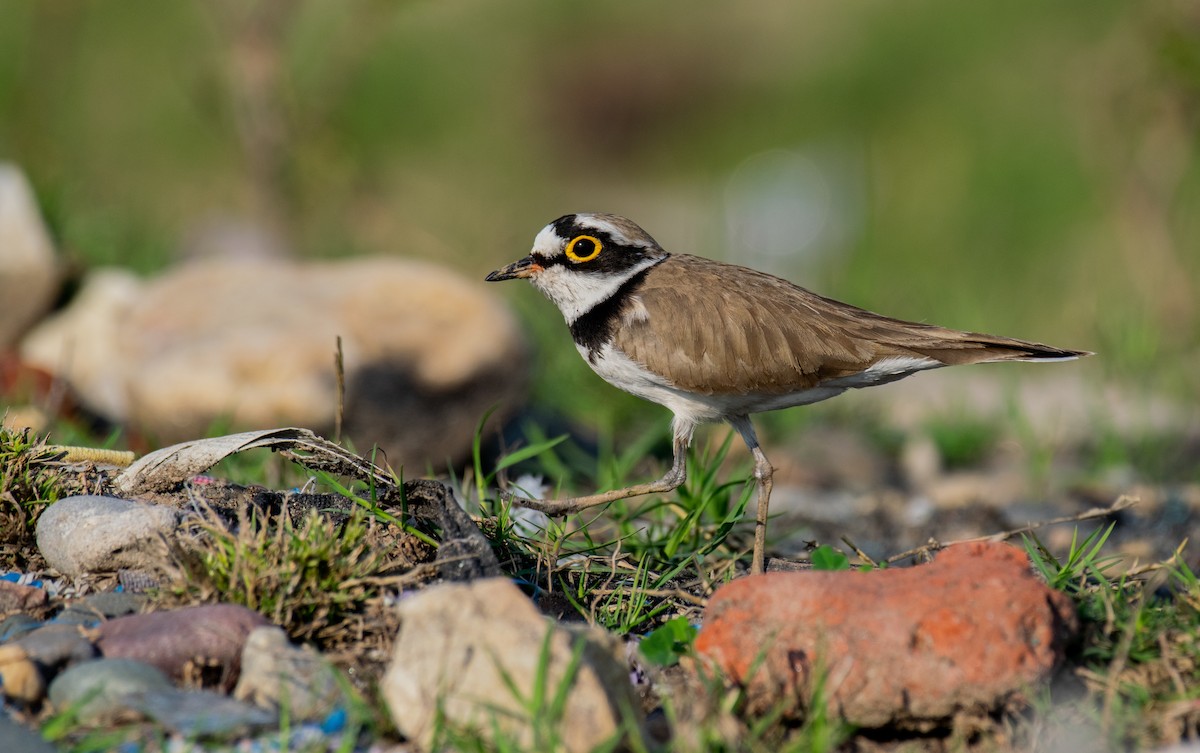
{"type": "Point", "coordinates": [615, 232]}
{"type": "Point", "coordinates": [548, 243]}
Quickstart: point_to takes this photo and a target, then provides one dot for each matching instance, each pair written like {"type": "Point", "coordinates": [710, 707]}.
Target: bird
{"type": "Point", "coordinates": [718, 342]}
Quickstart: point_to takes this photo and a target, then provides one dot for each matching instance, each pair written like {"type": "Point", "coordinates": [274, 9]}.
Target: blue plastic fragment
{"type": "Point", "coordinates": [24, 579]}
{"type": "Point", "coordinates": [335, 722]}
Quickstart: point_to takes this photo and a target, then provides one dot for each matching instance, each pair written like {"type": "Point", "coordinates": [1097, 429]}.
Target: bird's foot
{"type": "Point", "coordinates": [570, 505]}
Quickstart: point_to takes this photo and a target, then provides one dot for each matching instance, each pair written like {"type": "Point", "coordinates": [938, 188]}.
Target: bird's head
{"type": "Point", "coordinates": [580, 260]}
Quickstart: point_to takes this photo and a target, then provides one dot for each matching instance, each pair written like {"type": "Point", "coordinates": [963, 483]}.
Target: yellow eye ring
{"type": "Point", "coordinates": [575, 257]}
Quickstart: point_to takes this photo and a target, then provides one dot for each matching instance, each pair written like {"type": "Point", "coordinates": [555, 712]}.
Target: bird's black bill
{"type": "Point", "coordinates": [520, 268]}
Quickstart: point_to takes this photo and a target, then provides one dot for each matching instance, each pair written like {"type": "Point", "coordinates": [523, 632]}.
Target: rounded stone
{"type": "Point", "coordinates": [279, 675]}
{"type": "Point", "coordinates": [85, 534]}
{"type": "Point", "coordinates": [466, 654]}
{"type": "Point", "coordinates": [103, 688]}
{"type": "Point", "coordinates": [29, 270]}
{"type": "Point", "coordinates": [252, 342]}
{"type": "Point", "coordinates": [208, 637]}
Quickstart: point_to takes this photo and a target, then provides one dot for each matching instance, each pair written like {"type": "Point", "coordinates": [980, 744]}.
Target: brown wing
{"type": "Point", "coordinates": [735, 330]}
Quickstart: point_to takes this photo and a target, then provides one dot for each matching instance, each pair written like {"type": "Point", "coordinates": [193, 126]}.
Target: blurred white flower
{"type": "Point", "coordinates": [530, 486]}
{"type": "Point", "coordinates": [526, 522]}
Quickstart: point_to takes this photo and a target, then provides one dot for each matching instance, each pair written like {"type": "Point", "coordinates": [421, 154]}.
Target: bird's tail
{"type": "Point", "coordinates": [970, 347]}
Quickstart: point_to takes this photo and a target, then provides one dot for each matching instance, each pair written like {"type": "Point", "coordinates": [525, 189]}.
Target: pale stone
{"type": "Point", "coordinates": [249, 344]}
{"type": "Point", "coordinates": [277, 674]}
{"type": "Point", "coordinates": [29, 271]}
{"type": "Point", "coordinates": [80, 343]}
{"type": "Point", "coordinates": [85, 534]}
{"type": "Point", "coordinates": [458, 643]}
{"type": "Point", "coordinates": [252, 344]}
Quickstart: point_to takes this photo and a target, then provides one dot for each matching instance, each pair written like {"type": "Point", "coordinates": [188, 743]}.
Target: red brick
{"type": "Point", "coordinates": [906, 646]}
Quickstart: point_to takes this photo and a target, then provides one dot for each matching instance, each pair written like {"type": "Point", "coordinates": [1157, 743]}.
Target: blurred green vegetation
{"type": "Point", "coordinates": [1021, 168]}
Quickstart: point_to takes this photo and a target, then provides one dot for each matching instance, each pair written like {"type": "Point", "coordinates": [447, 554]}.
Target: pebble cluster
{"type": "Point", "coordinates": [910, 647]}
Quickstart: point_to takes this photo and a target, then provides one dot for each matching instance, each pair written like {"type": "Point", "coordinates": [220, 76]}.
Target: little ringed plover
{"type": "Point", "coordinates": [718, 342]}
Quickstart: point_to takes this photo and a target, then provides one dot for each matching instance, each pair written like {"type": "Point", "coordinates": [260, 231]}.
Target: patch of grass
{"type": "Point", "coordinates": [309, 577]}
{"type": "Point", "coordinates": [622, 566]}
{"type": "Point", "coordinates": [30, 480]}
{"type": "Point", "coordinates": [711, 715]}
{"type": "Point", "coordinates": [1081, 567]}
{"type": "Point", "coordinates": [624, 601]}
{"type": "Point", "coordinates": [25, 476]}
{"type": "Point", "coordinates": [693, 521]}
{"type": "Point", "coordinates": [1139, 653]}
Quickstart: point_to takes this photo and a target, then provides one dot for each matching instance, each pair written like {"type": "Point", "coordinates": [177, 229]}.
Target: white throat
{"type": "Point", "coordinates": [576, 293]}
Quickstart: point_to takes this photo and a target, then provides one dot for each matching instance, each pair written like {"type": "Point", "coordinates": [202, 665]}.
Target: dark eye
{"type": "Point", "coordinates": [583, 248]}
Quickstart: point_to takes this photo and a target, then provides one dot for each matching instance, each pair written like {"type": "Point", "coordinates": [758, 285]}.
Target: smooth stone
{"type": "Point", "coordinates": [461, 645]}
{"type": "Point", "coordinates": [29, 270]}
{"type": "Point", "coordinates": [204, 714]}
{"type": "Point", "coordinates": [56, 645]}
{"type": "Point", "coordinates": [102, 689]}
{"type": "Point", "coordinates": [279, 675]}
{"type": "Point", "coordinates": [17, 625]}
{"type": "Point", "coordinates": [77, 343]}
{"type": "Point", "coordinates": [209, 637]}
{"type": "Point", "coordinates": [91, 610]}
{"type": "Point", "coordinates": [223, 339]}
{"type": "Point", "coordinates": [92, 534]}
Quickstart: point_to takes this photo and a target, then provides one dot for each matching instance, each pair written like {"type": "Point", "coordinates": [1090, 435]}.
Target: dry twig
{"type": "Point", "coordinates": [1123, 502]}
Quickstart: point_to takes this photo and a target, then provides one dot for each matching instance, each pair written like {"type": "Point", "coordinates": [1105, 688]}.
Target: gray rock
{"type": "Point", "coordinates": [17, 625]}
{"type": "Point", "coordinates": [94, 534]}
{"type": "Point", "coordinates": [279, 675]}
{"type": "Point", "coordinates": [458, 647]}
{"type": "Point", "coordinates": [105, 688]}
{"type": "Point", "coordinates": [28, 663]}
{"type": "Point", "coordinates": [202, 714]}
{"type": "Point", "coordinates": [90, 610]}
{"type": "Point", "coordinates": [29, 273]}
{"type": "Point", "coordinates": [56, 645]}
{"type": "Point", "coordinates": [20, 739]}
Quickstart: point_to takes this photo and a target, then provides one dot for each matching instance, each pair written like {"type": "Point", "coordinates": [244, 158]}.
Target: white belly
{"type": "Point", "coordinates": [622, 372]}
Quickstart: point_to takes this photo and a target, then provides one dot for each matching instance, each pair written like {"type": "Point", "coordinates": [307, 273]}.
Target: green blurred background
{"type": "Point", "coordinates": [1023, 168]}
